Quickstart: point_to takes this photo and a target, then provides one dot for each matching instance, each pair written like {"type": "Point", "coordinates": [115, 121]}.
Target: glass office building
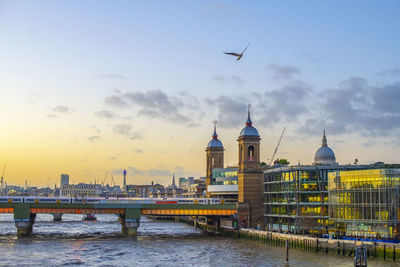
{"type": "Point", "coordinates": [296, 198]}
{"type": "Point", "coordinates": [224, 183]}
{"type": "Point", "coordinates": [365, 203]}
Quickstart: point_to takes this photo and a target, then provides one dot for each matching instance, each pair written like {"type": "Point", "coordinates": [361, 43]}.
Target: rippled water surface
{"type": "Point", "coordinates": [159, 243]}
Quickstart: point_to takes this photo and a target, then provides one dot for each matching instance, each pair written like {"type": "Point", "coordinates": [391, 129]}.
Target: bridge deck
{"type": "Point", "coordinates": [115, 208]}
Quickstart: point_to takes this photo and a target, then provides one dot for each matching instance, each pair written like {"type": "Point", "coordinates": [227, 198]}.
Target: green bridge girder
{"type": "Point", "coordinates": [132, 211]}
{"type": "Point", "coordinates": [117, 206]}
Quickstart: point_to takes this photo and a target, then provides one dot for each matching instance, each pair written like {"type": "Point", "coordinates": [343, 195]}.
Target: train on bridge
{"type": "Point", "coordinates": [89, 200]}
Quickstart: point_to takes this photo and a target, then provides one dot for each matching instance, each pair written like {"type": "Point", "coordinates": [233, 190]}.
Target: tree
{"type": "Point", "coordinates": [282, 162]}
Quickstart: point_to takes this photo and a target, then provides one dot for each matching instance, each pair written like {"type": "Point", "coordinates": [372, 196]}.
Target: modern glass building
{"type": "Point", "coordinates": [365, 203]}
{"type": "Point", "coordinates": [224, 183]}
{"type": "Point", "coordinates": [296, 198]}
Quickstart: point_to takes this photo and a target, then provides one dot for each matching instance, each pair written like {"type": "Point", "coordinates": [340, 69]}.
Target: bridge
{"type": "Point", "coordinates": [129, 212]}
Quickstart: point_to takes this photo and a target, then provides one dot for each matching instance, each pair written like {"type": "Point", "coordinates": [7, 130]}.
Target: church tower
{"type": "Point", "coordinates": [214, 156]}
{"type": "Point", "coordinates": [250, 176]}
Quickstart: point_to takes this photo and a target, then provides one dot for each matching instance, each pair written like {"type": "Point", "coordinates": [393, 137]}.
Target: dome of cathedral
{"type": "Point", "coordinates": [324, 154]}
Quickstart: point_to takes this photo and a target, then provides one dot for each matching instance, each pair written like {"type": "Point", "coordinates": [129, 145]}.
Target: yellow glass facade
{"type": "Point", "coordinates": [296, 199]}
{"type": "Point", "coordinates": [365, 203]}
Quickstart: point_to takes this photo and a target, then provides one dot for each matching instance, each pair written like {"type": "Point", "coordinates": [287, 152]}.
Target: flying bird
{"type": "Point", "coordinates": [239, 56]}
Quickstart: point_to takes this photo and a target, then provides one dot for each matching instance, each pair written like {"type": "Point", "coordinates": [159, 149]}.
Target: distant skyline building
{"type": "Point", "coordinates": [173, 180]}
{"type": "Point", "coordinates": [80, 190]}
{"type": "Point", "coordinates": [124, 188]}
{"type": "Point", "coordinates": [64, 179]}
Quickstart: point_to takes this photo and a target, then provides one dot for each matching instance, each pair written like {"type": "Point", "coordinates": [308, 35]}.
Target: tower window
{"type": "Point", "coordinates": [251, 153]}
{"type": "Point", "coordinates": [212, 162]}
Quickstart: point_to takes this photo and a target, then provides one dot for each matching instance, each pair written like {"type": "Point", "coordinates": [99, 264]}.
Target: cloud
{"type": "Point", "coordinates": [97, 130]}
{"type": "Point", "coordinates": [369, 143]}
{"type": "Point", "coordinates": [126, 130]}
{"type": "Point", "coordinates": [390, 72]}
{"type": "Point", "coordinates": [63, 109]}
{"type": "Point", "coordinates": [159, 172]}
{"type": "Point", "coordinates": [193, 125]}
{"type": "Point", "coordinates": [106, 114]}
{"type": "Point", "coordinates": [111, 76]}
{"type": "Point", "coordinates": [138, 151]}
{"type": "Point", "coordinates": [281, 72]}
{"type": "Point", "coordinates": [51, 116]}
{"type": "Point", "coordinates": [93, 138]}
{"type": "Point", "coordinates": [235, 79]}
{"type": "Point", "coordinates": [231, 110]}
{"type": "Point", "coordinates": [355, 106]}
{"type": "Point", "coordinates": [285, 104]}
{"type": "Point", "coordinates": [33, 98]}
{"type": "Point", "coordinates": [115, 101]}
{"type": "Point", "coordinates": [157, 104]}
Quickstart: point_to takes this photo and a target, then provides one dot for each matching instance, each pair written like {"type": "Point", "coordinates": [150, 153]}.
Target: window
{"type": "Point", "coordinates": [251, 153]}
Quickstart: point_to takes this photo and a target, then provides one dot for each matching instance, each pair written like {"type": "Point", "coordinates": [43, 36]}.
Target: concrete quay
{"type": "Point", "coordinates": [386, 251]}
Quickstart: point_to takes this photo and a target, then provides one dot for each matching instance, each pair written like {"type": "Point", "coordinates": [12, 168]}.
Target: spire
{"type": "Point", "coordinates": [124, 172]}
{"type": "Point", "coordinates": [215, 135]}
{"type": "Point", "coordinates": [248, 122]}
{"type": "Point", "coordinates": [173, 180]}
{"type": "Point", "coordinates": [324, 142]}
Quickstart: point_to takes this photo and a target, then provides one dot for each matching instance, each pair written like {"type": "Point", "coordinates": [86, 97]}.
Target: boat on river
{"type": "Point", "coordinates": [89, 218]}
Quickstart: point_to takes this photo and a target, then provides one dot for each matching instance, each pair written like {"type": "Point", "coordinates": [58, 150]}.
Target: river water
{"type": "Point", "coordinates": [159, 243]}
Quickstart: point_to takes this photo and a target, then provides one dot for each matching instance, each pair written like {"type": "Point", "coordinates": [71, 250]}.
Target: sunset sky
{"type": "Point", "coordinates": [89, 88]}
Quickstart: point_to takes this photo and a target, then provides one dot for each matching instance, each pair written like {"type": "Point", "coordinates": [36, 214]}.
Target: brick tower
{"type": "Point", "coordinates": [214, 156]}
{"type": "Point", "coordinates": [250, 195]}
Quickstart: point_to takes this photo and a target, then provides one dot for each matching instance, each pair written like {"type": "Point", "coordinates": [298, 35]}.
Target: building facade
{"type": "Point", "coordinates": [327, 198]}
{"type": "Point", "coordinates": [224, 183]}
{"type": "Point", "coordinates": [195, 190]}
{"type": "Point", "coordinates": [296, 198]}
{"type": "Point", "coordinates": [365, 203]}
{"type": "Point", "coordinates": [64, 179]}
{"type": "Point", "coordinates": [81, 190]}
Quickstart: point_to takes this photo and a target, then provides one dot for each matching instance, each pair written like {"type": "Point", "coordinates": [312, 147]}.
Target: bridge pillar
{"type": "Point", "coordinates": [57, 217]}
{"type": "Point", "coordinates": [23, 219]}
{"type": "Point", "coordinates": [25, 226]}
{"type": "Point", "coordinates": [131, 226]}
{"type": "Point", "coordinates": [130, 221]}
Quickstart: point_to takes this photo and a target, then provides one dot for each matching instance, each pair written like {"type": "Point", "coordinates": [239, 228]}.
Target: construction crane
{"type": "Point", "coordinates": [277, 146]}
{"type": "Point", "coordinates": [112, 181]}
{"type": "Point", "coordinates": [2, 177]}
{"type": "Point", "coordinates": [104, 180]}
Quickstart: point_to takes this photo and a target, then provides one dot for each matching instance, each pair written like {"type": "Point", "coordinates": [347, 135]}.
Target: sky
{"type": "Point", "coordinates": [89, 88]}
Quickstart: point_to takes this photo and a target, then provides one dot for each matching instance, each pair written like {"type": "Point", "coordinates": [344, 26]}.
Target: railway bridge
{"type": "Point", "coordinates": [128, 211]}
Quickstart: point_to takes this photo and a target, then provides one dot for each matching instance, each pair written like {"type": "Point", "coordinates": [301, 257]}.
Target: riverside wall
{"type": "Point", "coordinates": [346, 248]}
{"type": "Point", "coordinates": [387, 251]}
